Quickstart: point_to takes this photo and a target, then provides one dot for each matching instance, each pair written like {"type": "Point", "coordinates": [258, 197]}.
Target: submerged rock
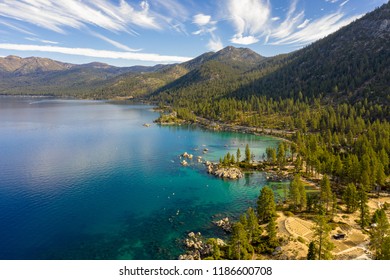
{"type": "Point", "coordinates": [187, 155]}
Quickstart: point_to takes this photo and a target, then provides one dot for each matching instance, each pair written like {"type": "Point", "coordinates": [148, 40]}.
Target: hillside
{"type": "Point", "coordinates": [35, 75]}
{"type": "Point", "coordinates": [14, 65]}
{"type": "Point", "coordinates": [353, 62]}
{"type": "Point", "coordinates": [225, 64]}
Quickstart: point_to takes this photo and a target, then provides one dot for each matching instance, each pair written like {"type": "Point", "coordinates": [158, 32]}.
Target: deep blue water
{"type": "Point", "coordinates": [85, 180]}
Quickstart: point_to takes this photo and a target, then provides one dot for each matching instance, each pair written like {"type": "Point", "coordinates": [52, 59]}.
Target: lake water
{"type": "Point", "coordinates": [85, 180]}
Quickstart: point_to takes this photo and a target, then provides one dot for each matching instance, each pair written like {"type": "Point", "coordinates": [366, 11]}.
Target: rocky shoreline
{"type": "Point", "coordinates": [215, 169]}
{"type": "Point", "coordinates": [224, 172]}
{"type": "Point", "coordinates": [197, 248]}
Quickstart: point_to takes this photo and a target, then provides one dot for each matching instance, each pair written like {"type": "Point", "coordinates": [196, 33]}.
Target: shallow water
{"type": "Point", "coordinates": [85, 180]}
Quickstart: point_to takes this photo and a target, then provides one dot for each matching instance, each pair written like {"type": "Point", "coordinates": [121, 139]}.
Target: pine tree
{"type": "Point", "coordinates": [295, 195]}
{"type": "Point", "coordinates": [240, 249]}
{"type": "Point", "coordinates": [271, 154]}
{"type": "Point", "coordinates": [232, 160]}
{"type": "Point", "coordinates": [379, 231]}
{"type": "Point", "coordinates": [281, 155]}
{"type": "Point", "coordinates": [321, 235]}
{"type": "Point", "coordinates": [253, 228]}
{"type": "Point", "coordinates": [238, 154]}
{"type": "Point", "coordinates": [385, 250]}
{"type": "Point", "coordinates": [311, 254]}
{"type": "Point", "coordinates": [266, 205]}
{"type": "Point", "coordinates": [271, 233]}
{"type": "Point", "coordinates": [247, 154]}
{"type": "Point", "coordinates": [363, 207]}
{"type": "Point", "coordinates": [303, 195]}
{"type": "Point", "coordinates": [350, 198]}
{"type": "Point", "coordinates": [216, 251]}
{"type": "Point", "coordinates": [325, 192]}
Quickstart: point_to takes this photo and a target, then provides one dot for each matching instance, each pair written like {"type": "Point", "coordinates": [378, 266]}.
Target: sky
{"type": "Point", "coordinates": [150, 32]}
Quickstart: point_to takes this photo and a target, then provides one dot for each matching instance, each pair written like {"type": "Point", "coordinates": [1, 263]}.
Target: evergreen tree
{"type": "Point", "coordinates": [253, 228]}
{"type": "Point", "coordinates": [232, 159]}
{"type": "Point", "coordinates": [379, 231]}
{"type": "Point", "coordinates": [247, 154]}
{"type": "Point", "coordinates": [380, 175]}
{"type": "Point", "coordinates": [271, 233]}
{"type": "Point", "coordinates": [350, 198]}
{"type": "Point", "coordinates": [363, 207]}
{"type": "Point", "coordinates": [238, 154]}
{"type": "Point", "coordinates": [271, 154]}
{"type": "Point", "coordinates": [303, 195]}
{"type": "Point", "coordinates": [216, 251]}
{"type": "Point", "coordinates": [298, 164]}
{"type": "Point", "coordinates": [266, 205]}
{"type": "Point", "coordinates": [311, 255]}
{"type": "Point", "coordinates": [385, 250]}
{"type": "Point", "coordinates": [321, 235]}
{"type": "Point", "coordinates": [228, 157]}
{"type": "Point", "coordinates": [240, 249]}
{"type": "Point", "coordinates": [325, 192]}
{"type": "Point", "coordinates": [281, 155]}
{"type": "Point", "coordinates": [298, 193]}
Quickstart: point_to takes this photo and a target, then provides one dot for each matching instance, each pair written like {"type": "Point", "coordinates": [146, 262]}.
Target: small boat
{"type": "Point", "coordinates": [146, 124]}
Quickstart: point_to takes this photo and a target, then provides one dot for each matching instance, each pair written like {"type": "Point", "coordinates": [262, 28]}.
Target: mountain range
{"type": "Point", "coordinates": [352, 63]}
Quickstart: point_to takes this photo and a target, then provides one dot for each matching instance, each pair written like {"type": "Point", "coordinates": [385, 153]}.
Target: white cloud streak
{"type": "Point", "coordinates": [253, 20]}
{"type": "Point", "coordinates": [60, 15]}
{"type": "Point", "coordinates": [41, 40]}
{"type": "Point", "coordinates": [250, 19]}
{"type": "Point", "coordinates": [115, 43]}
{"type": "Point", "coordinates": [290, 23]}
{"type": "Point", "coordinates": [303, 24]}
{"type": "Point", "coordinates": [14, 27]}
{"type": "Point", "coordinates": [215, 43]}
{"type": "Point", "coordinates": [97, 53]}
{"type": "Point", "coordinates": [317, 29]}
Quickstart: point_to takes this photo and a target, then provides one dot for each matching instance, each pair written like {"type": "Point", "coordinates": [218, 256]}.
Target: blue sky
{"type": "Point", "coordinates": [133, 32]}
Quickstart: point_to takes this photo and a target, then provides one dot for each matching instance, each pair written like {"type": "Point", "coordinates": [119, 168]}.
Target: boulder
{"type": "Point", "coordinates": [224, 224]}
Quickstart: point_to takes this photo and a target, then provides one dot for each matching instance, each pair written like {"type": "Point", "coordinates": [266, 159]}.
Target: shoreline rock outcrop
{"type": "Point", "coordinates": [224, 172]}
{"type": "Point", "coordinates": [224, 224]}
{"type": "Point", "coordinates": [196, 248]}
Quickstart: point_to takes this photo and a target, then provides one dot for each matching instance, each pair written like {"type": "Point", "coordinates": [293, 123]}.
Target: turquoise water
{"type": "Point", "coordinates": [85, 180]}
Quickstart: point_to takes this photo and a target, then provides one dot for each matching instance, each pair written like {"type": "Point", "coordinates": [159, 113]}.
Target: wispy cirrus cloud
{"type": "Point", "coordinates": [291, 21]}
{"type": "Point", "coordinates": [41, 40]}
{"type": "Point", "coordinates": [17, 28]}
{"type": "Point", "coordinates": [115, 43]}
{"type": "Point", "coordinates": [317, 29]}
{"type": "Point", "coordinates": [250, 19]}
{"type": "Point", "coordinates": [157, 58]}
{"type": "Point", "coordinates": [253, 21]}
{"type": "Point", "coordinates": [303, 24]}
{"type": "Point", "coordinates": [60, 15]}
{"type": "Point", "coordinates": [344, 3]}
{"type": "Point", "coordinates": [207, 26]}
